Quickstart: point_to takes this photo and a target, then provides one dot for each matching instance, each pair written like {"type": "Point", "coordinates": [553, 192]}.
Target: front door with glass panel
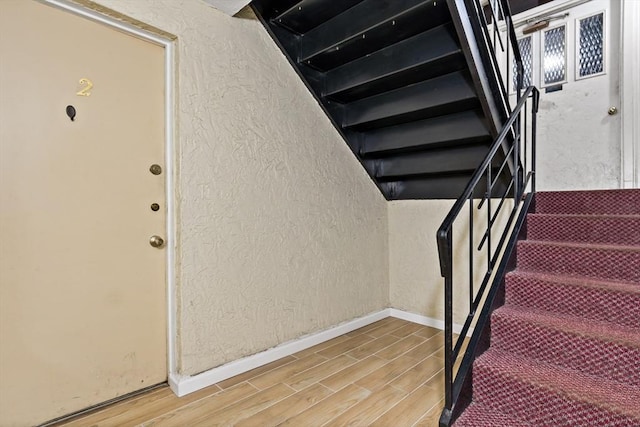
{"type": "Point", "coordinates": [573, 59]}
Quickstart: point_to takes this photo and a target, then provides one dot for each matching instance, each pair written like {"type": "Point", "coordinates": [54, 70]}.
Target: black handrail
{"type": "Point", "coordinates": [516, 142]}
{"type": "Point", "coordinates": [517, 188]}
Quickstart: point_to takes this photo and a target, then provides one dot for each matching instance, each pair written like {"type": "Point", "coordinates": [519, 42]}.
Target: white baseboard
{"type": "Point", "coordinates": [424, 320]}
{"type": "Point", "coordinates": [184, 384]}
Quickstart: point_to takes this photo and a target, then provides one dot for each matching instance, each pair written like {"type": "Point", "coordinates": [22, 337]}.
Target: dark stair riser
{"type": "Point", "coordinates": [308, 14]}
{"type": "Point", "coordinates": [415, 59]}
{"type": "Point", "coordinates": [442, 186]}
{"type": "Point", "coordinates": [463, 128]}
{"type": "Point", "coordinates": [367, 27]}
{"type": "Point", "coordinates": [435, 97]}
{"type": "Point", "coordinates": [431, 162]}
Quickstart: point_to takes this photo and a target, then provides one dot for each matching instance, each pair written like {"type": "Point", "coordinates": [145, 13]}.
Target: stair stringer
{"type": "Point", "coordinates": [477, 56]}
{"type": "Point", "coordinates": [474, 52]}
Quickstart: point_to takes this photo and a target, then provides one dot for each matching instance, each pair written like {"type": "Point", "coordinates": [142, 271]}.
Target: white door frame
{"type": "Point", "coordinates": [168, 43]}
{"type": "Point", "coordinates": [630, 93]}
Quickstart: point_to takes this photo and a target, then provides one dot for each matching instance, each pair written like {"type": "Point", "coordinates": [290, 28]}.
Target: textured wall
{"type": "Point", "coordinates": [414, 271]}
{"type": "Point", "coordinates": [281, 231]}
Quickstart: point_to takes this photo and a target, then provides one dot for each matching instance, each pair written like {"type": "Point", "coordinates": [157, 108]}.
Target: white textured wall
{"type": "Point", "coordinates": [415, 281]}
{"type": "Point", "coordinates": [414, 273]}
{"type": "Point", "coordinates": [414, 270]}
{"type": "Point", "coordinates": [281, 231]}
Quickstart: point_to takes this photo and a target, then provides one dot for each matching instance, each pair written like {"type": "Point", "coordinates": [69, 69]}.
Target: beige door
{"type": "Point", "coordinates": [82, 292]}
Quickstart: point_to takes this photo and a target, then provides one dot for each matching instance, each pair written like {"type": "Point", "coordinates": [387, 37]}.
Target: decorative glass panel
{"type": "Point", "coordinates": [591, 53]}
{"type": "Point", "coordinates": [554, 55]}
{"type": "Point", "coordinates": [527, 63]}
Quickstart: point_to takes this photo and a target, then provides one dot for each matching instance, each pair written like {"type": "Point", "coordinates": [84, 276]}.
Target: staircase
{"type": "Point", "coordinates": [565, 346]}
{"type": "Point", "coordinates": [398, 83]}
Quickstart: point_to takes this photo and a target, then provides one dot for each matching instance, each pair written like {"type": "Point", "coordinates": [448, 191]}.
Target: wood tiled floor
{"type": "Point", "coordinates": [388, 373]}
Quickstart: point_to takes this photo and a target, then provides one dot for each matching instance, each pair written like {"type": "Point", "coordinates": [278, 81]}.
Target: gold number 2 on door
{"type": "Point", "coordinates": [85, 91]}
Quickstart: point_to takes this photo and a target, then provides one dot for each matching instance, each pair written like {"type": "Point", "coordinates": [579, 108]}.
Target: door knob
{"type": "Point", "coordinates": [612, 111]}
{"type": "Point", "coordinates": [156, 241]}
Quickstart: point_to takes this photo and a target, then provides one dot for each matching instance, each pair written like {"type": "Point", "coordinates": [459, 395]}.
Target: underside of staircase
{"type": "Point", "coordinates": [402, 82]}
{"type": "Point", "coordinates": [565, 347]}
{"type": "Point", "coordinates": [396, 79]}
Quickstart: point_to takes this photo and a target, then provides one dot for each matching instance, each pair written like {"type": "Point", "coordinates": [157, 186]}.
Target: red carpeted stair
{"type": "Point", "coordinates": [565, 347]}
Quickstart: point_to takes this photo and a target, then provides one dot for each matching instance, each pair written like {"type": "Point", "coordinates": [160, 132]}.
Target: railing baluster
{"type": "Point", "coordinates": [526, 131]}
{"type": "Point", "coordinates": [471, 257]}
{"type": "Point", "coordinates": [448, 319]}
{"type": "Point", "coordinates": [495, 215]}
{"type": "Point", "coordinates": [508, 65]}
{"type": "Point", "coordinates": [489, 215]}
{"type": "Point", "coordinates": [502, 166]}
{"type": "Point", "coordinates": [516, 159]}
{"type": "Point", "coordinates": [534, 118]}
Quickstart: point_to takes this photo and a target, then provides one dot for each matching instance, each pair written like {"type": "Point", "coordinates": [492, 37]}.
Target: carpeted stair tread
{"type": "Point", "coordinates": [614, 262]}
{"type": "Point", "coordinates": [603, 229]}
{"type": "Point", "coordinates": [596, 299]}
{"type": "Point", "coordinates": [477, 415]}
{"type": "Point", "coordinates": [598, 202]}
{"type": "Point", "coordinates": [565, 346]}
{"type": "Point", "coordinates": [547, 395]}
{"type": "Point", "coordinates": [592, 347]}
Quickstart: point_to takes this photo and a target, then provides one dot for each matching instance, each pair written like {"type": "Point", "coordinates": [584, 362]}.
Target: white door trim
{"type": "Point", "coordinates": [168, 44]}
{"type": "Point", "coordinates": [630, 93]}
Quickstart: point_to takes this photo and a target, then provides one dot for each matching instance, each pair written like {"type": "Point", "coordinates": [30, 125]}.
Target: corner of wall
{"type": "Point", "coordinates": [415, 284]}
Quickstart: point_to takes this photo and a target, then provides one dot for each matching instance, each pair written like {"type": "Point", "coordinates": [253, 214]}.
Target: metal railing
{"type": "Point", "coordinates": [496, 192]}
{"type": "Point", "coordinates": [492, 38]}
